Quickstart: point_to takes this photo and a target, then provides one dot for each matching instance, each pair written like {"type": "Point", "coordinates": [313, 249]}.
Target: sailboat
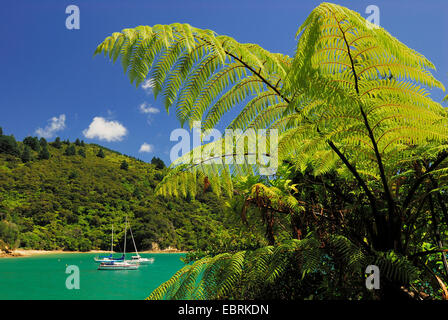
{"type": "Point", "coordinates": [137, 258]}
{"type": "Point", "coordinates": [122, 264]}
{"type": "Point", "coordinates": [110, 256]}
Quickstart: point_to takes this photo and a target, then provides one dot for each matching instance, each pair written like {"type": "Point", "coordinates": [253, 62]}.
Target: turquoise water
{"type": "Point", "coordinates": [44, 277]}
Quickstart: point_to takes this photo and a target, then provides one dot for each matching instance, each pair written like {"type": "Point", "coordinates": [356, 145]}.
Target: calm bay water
{"type": "Point", "coordinates": [43, 277]}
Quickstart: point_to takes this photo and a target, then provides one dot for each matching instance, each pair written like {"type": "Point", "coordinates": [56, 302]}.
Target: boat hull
{"type": "Point", "coordinates": [107, 260]}
{"type": "Point", "coordinates": [141, 261]}
{"type": "Point", "coordinates": [118, 266]}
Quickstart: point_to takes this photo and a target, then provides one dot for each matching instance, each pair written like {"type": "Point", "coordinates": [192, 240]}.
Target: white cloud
{"type": "Point", "coordinates": [146, 108]}
{"type": "Point", "coordinates": [148, 85]}
{"type": "Point", "coordinates": [103, 129]}
{"type": "Point", "coordinates": [56, 124]}
{"type": "Point", "coordinates": [145, 147]}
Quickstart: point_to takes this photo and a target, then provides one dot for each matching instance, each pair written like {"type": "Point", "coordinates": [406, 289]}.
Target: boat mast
{"type": "Point", "coordinates": [112, 244]}
{"type": "Point", "coordinates": [125, 225]}
{"type": "Point", "coordinates": [135, 247]}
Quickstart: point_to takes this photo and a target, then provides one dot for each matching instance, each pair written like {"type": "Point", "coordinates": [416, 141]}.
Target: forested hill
{"type": "Point", "coordinates": [63, 195]}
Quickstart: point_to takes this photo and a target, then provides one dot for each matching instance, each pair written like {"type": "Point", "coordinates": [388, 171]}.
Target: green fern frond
{"type": "Point", "coordinates": [396, 268]}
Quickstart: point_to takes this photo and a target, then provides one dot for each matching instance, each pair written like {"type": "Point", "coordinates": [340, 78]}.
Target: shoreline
{"type": "Point", "coordinates": [31, 252]}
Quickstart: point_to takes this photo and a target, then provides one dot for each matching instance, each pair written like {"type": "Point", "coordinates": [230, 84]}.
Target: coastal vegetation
{"type": "Point", "coordinates": [67, 196]}
{"type": "Point", "coordinates": [362, 158]}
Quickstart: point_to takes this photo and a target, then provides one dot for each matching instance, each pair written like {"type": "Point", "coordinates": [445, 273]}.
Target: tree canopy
{"type": "Point", "coordinates": [71, 202]}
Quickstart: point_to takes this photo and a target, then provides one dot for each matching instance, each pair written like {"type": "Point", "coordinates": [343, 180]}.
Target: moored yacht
{"type": "Point", "coordinates": [137, 258]}
{"type": "Point", "coordinates": [140, 260]}
{"type": "Point", "coordinates": [110, 257]}
{"type": "Point", "coordinates": [119, 264]}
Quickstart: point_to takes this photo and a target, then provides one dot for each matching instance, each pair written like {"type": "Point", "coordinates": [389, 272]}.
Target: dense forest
{"type": "Point", "coordinates": [68, 195]}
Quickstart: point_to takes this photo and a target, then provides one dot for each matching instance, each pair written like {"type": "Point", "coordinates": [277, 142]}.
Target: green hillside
{"type": "Point", "coordinates": [71, 200]}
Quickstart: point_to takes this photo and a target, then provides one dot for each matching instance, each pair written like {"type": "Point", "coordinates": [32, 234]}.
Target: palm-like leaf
{"type": "Point", "coordinates": [350, 86]}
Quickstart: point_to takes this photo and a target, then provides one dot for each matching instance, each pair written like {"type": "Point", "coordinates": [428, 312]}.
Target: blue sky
{"type": "Point", "coordinates": [50, 79]}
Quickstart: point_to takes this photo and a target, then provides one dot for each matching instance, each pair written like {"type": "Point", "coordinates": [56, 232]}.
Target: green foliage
{"type": "Point", "coordinates": [8, 145]}
{"type": "Point", "coordinates": [364, 147]}
{"type": "Point", "coordinates": [82, 152]}
{"type": "Point", "coordinates": [158, 163]}
{"type": "Point", "coordinates": [70, 203]}
{"type": "Point", "coordinates": [43, 142]}
{"type": "Point", "coordinates": [26, 154]}
{"type": "Point", "coordinates": [100, 154]}
{"type": "Point", "coordinates": [44, 154]}
{"type": "Point", "coordinates": [124, 165]}
{"type": "Point", "coordinates": [9, 235]}
{"type": "Point", "coordinates": [57, 143]}
{"type": "Point", "coordinates": [396, 268]}
{"type": "Point", "coordinates": [319, 80]}
{"type": "Point", "coordinates": [70, 150]}
{"type": "Point", "coordinates": [200, 63]}
{"type": "Point", "coordinates": [303, 266]}
{"type": "Point", "coordinates": [32, 142]}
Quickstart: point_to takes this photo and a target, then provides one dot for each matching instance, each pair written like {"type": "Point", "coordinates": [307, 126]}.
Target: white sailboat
{"type": "Point", "coordinates": [122, 264]}
{"type": "Point", "coordinates": [110, 257]}
{"type": "Point", "coordinates": [137, 258]}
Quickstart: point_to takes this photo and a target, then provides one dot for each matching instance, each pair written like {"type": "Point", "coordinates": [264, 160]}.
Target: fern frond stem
{"type": "Point", "coordinates": [263, 79]}
{"type": "Point", "coordinates": [227, 155]}
{"type": "Point", "coordinates": [356, 174]}
{"type": "Point", "coordinates": [348, 53]}
{"type": "Point", "coordinates": [389, 198]}
{"type": "Point", "coordinates": [387, 192]}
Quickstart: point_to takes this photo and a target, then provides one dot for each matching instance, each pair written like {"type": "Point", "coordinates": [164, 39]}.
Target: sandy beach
{"type": "Point", "coordinates": [31, 252]}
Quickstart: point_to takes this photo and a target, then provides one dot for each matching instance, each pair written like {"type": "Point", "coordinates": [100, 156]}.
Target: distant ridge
{"type": "Point", "coordinates": [69, 198]}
